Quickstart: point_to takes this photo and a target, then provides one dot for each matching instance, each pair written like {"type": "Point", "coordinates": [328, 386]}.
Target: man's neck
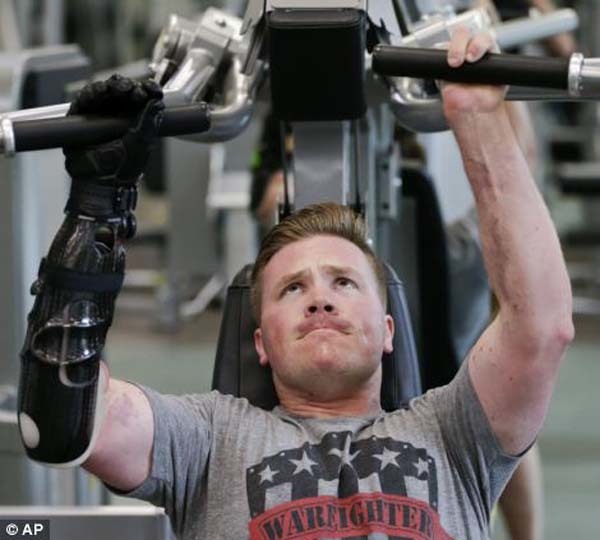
{"type": "Point", "coordinates": [361, 402]}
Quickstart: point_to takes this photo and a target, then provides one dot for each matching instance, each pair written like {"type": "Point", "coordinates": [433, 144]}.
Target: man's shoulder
{"type": "Point", "coordinates": [208, 405]}
{"type": "Point", "coordinates": [435, 399]}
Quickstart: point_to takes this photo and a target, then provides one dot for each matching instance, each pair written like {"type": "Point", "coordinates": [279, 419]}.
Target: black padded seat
{"type": "Point", "coordinates": [453, 290]}
{"type": "Point", "coordinates": [439, 360]}
{"type": "Point", "coordinates": [237, 370]}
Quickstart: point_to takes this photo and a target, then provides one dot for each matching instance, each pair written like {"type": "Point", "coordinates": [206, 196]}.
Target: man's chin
{"type": "Point", "coordinates": [340, 367]}
{"type": "Point", "coordinates": [329, 366]}
{"type": "Point", "coordinates": [326, 360]}
{"type": "Point", "coordinates": [325, 355]}
{"type": "Point", "coordinates": [330, 379]}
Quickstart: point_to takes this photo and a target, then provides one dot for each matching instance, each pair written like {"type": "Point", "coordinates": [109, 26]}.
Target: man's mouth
{"type": "Point", "coordinates": [323, 330]}
{"type": "Point", "coordinates": [340, 327]}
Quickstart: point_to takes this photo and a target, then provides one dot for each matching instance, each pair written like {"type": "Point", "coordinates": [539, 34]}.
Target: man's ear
{"type": "Point", "coordinates": [260, 348]}
{"type": "Point", "coordinates": [388, 340]}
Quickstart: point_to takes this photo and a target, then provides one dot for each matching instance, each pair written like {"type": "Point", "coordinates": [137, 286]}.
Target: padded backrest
{"type": "Point", "coordinates": [237, 370]}
{"type": "Point", "coordinates": [453, 291]}
{"type": "Point", "coordinates": [439, 361]}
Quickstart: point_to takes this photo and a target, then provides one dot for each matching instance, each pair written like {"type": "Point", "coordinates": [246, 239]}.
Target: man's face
{"type": "Point", "coordinates": [323, 325]}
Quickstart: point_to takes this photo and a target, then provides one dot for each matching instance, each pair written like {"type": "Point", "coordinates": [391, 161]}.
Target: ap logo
{"type": "Point", "coordinates": [20, 528]}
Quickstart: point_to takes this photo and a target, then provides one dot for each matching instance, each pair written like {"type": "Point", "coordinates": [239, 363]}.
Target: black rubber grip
{"type": "Point", "coordinates": [88, 130]}
{"type": "Point", "coordinates": [510, 69]}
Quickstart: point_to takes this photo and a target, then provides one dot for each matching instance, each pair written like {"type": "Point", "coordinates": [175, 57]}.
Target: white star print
{"type": "Point", "coordinates": [422, 467]}
{"type": "Point", "coordinates": [267, 474]}
{"type": "Point", "coordinates": [387, 458]}
{"type": "Point", "coordinates": [303, 464]}
{"type": "Point", "coordinates": [345, 455]}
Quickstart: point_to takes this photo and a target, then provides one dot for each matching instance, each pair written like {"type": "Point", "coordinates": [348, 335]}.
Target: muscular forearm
{"type": "Point", "coordinates": [520, 245]}
{"type": "Point", "coordinates": [521, 122]}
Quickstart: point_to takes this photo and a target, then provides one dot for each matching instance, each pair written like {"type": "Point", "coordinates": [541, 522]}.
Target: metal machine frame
{"type": "Point", "coordinates": [189, 58]}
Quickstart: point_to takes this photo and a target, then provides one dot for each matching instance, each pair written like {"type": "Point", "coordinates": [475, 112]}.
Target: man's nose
{"type": "Point", "coordinates": [319, 305]}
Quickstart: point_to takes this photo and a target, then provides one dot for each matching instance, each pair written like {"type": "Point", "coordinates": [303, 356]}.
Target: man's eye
{"type": "Point", "coordinates": [345, 282]}
{"type": "Point", "coordinates": [292, 288]}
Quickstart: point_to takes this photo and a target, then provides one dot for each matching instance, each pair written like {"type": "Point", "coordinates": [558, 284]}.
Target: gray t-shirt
{"type": "Point", "coordinates": [224, 469]}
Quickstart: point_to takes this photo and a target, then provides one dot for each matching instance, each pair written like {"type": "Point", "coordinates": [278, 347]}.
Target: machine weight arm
{"type": "Point", "coordinates": [577, 78]}
{"type": "Point", "coordinates": [43, 133]}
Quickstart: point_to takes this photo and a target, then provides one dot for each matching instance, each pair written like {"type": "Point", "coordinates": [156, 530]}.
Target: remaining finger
{"type": "Point", "coordinates": [153, 89]}
{"type": "Point", "coordinates": [120, 97]}
{"type": "Point", "coordinates": [119, 86]}
{"type": "Point", "coordinates": [458, 46]}
{"type": "Point", "coordinates": [480, 44]}
{"type": "Point", "coordinates": [89, 99]}
{"type": "Point", "coordinates": [144, 92]}
{"type": "Point", "coordinates": [117, 95]}
{"type": "Point", "coordinates": [139, 97]}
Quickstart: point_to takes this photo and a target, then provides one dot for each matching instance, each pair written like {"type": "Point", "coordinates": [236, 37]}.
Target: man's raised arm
{"type": "Point", "coordinates": [514, 364]}
{"type": "Point", "coordinates": [69, 412]}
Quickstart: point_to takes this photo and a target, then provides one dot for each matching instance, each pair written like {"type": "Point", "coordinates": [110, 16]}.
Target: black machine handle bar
{"type": "Point", "coordinates": [87, 130]}
{"type": "Point", "coordinates": [518, 70]}
{"type": "Point", "coordinates": [509, 69]}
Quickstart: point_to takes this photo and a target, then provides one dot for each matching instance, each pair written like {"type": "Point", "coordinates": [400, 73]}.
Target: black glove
{"type": "Point", "coordinates": [81, 276]}
{"type": "Point", "coordinates": [105, 176]}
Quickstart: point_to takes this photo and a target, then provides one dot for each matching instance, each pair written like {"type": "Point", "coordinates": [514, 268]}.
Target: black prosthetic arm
{"type": "Point", "coordinates": [60, 388]}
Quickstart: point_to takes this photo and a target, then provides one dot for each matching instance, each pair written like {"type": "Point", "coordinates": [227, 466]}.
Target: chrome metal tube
{"type": "Point", "coordinates": [413, 111]}
{"type": "Point", "coordinates": [575, 69]}
{"type": "Point", "coordinates": [589, 84]}
{"type": "Point", "coordinates": [231, 119]}
{"type": "Point", "coordinates": [7, 137]}
{"type": "Point", "coordinates": [37, 113]}
{"type": "Point", "coordinates": [526, 30]}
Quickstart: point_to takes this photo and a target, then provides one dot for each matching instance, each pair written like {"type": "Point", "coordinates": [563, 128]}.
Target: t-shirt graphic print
{"type": "Point", "coordinates": [373, 488]}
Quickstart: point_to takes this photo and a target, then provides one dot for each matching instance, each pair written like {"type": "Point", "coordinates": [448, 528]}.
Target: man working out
{"type": "Point", "coordinates": [328, 463]}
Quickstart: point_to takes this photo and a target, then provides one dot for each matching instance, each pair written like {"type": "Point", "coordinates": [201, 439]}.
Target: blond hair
{"type": "Point", "coordinates": [328, 219]}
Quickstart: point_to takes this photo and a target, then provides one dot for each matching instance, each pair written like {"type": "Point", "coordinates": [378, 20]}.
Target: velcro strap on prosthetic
{"type": "Point", "coordinates": [74, 329]}
{"type": "Point", "coordinates": [73, 280]}
{"type": "Point", "coordinates": [99, 201]}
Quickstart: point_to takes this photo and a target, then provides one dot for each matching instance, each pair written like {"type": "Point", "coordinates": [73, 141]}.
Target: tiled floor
{"type": "Point", "coordinates": [570, 441]}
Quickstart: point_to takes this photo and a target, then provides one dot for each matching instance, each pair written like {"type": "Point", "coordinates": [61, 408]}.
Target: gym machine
{"type": "Point", "coordinates": [378, 55]}
{"type": "Point", "coordinates": [392, 65]}
{"type": "Point", "coordinates": [229, 54]}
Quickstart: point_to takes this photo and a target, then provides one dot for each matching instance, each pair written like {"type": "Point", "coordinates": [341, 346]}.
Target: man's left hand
{"type": "Point", "coordinates": [119, 162]}
{"type": "Point", "coordinates": [461, 99]}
